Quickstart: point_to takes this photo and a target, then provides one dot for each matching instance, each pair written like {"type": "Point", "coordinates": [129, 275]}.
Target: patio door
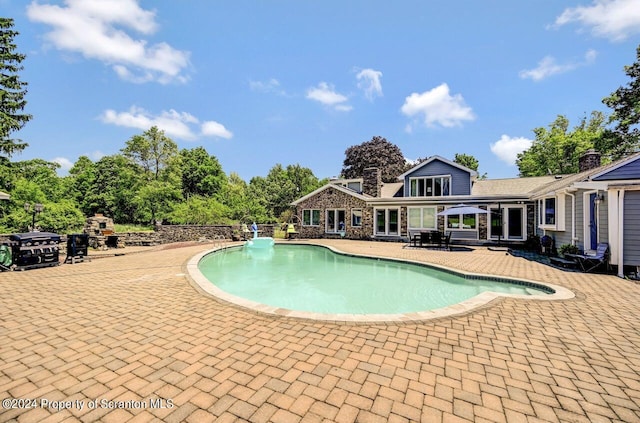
{"type": "Point", "coordinates": [387, 222]}
{"type": "Point", "coordinates": [507, 222]}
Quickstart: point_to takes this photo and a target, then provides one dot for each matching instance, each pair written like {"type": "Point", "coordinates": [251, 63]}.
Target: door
{"type": "Point", "coordinates": [514, 223]}
{"type": "Point", "coordinates": [496, 223]}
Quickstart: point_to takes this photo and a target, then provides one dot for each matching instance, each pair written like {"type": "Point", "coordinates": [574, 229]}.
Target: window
{"type": "Point", "coordinates": [422, 217]}
{"type": "Point", "coordinates": [356, 218]}
{"type": "Point", "coordinates": [310, 217]}
{"type": "Point", "coordinates": [430, 186]}
{"type": "Point", "coordinates": [549, 211]}
{"type": "Point", "coordinates": [335, 221]}
{"type": "Point", "coordinates": [462, 221]}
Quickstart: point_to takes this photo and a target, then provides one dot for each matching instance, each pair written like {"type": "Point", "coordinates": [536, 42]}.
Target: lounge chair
{"type": "Point", "coordinates": [590, 262]}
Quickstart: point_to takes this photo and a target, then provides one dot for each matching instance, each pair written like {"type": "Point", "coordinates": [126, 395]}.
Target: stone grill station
{"type": "Point", "coordinates": [102, 234]}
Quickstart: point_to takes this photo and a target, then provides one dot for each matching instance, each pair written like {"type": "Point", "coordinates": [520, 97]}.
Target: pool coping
{"type": "Point", "coordinates": [469, 305]}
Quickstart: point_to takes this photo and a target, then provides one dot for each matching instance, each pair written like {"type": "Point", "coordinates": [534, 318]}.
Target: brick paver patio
{"type": "Point", "coordinates": [130, 339]}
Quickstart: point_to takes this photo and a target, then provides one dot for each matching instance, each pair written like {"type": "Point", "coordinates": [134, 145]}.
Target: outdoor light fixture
{"type": "Point", "coordinates": [37, 208]}
{"type": "Point", "coordinates": [599, 198]}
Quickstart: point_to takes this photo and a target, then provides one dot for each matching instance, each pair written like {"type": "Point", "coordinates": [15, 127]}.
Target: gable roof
{"type": "Point", "coordinates": [331, 185]}
{"type": "Point", "coordinates": [566, 181]}
{"type": "Point", "coordinates": [4, 196]}
{"type": "Point", "coordinates": [473, 173]}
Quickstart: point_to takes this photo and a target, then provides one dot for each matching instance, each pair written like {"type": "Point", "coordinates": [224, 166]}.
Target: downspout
{"type": "Point", "coordinates": [621, 233]}
{"type": "Point", "coordinates": [570, 193]}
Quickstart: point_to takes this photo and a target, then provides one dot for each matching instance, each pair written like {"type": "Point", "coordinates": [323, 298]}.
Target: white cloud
{"type": "Point", "coordinates": [96, 29]}
{"type": "Point", "coordinates": [612, 19]}
{"type": "Point", "coordinates": [507, 148]}
{"type": "Point", "coordinates": [65, 164]}
{"type": "Point", "coordinates": [175, 124]}
{"type": "Point", "coordinates": [548, 67]}
{"type": "Point", "coordinates": [270, 86]}
{"type": "Point", "coordinates": [369, 82]}
{"type": "Point", "coordinates": [215, 129]}
{"type": "Point", "coordinates": [326, 94]}
{"type": "Point", "coordinates": [438, 107]}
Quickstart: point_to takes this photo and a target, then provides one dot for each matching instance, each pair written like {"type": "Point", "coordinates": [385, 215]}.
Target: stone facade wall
{"type": "Point", "coordinates": [332, 198]}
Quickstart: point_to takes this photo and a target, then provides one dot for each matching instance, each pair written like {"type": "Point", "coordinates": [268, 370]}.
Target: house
{"type": "Point", "coordinates": [599, 204]}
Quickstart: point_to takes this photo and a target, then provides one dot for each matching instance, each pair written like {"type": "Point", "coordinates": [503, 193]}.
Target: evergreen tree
{"type": "Point", "coordinates": [12, 91]}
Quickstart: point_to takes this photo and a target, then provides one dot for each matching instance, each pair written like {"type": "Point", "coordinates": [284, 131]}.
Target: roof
{"type": "Point", "coordinates": [4, 196]}
{"type": "Point", "coordinates": [510, 185]}
{"type": "Point", "coordinates": [390, 189]}
{"type": "Point", "coordinates": [442, 159]}
{"type": "Point", "coordinates": [327, 186]}
{"type": "Point", "coordinates": [567, 180]}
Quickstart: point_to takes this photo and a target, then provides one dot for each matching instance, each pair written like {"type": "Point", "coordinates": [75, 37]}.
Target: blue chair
{"type": "Point", "coordinates": [590, 262]}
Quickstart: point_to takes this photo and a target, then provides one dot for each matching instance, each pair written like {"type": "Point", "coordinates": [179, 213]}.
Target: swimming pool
{"type": "Point", "coordinates": [316, 282]}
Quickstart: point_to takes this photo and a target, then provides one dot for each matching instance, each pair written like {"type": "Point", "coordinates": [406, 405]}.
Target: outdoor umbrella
{"type": "Point", "coordinates": [461, 209]}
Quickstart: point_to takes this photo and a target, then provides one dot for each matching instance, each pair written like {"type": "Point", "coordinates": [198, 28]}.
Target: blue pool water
{"type": "Point", "coordinates": [315, 279]}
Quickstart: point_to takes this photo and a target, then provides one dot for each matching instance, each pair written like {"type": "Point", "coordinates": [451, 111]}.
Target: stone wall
{"type": "Point", "coordinates": [332, 198]}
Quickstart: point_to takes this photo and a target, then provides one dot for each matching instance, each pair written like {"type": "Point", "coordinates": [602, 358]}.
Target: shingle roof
{"type": "Point", "coordinates": [513, 186]}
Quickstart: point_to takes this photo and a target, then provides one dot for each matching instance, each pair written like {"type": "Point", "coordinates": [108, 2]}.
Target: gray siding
{"type": "Point", "coordinates": [628, 171]}
{"type": "Point", "coordinates": [460, 179]}
{"type": "Point", "coordinates": [564, 237]}
{"type": "Point", "coordinates": [632, 228]}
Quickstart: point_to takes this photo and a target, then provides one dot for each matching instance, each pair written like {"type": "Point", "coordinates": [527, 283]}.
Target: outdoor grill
{"type": "Point", "coordinates": [34, 249]}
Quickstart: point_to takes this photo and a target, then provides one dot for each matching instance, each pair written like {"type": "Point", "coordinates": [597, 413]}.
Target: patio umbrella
{"type": "Point", "coordinates": [461, 209]}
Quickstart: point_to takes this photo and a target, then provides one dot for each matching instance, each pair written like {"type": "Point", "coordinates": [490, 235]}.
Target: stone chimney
{"type": "Point", "coordinates": [589, 160]}
{"type": "Point", "coordinates": [372, 182]}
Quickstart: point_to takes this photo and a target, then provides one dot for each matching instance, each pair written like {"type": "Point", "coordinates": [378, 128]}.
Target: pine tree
{"type": "Point", "coordinates": [12, 91]}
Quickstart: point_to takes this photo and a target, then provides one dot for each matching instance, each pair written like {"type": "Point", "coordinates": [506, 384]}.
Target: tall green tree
{"type": "Point", "coordinates": [557, 150]}
{"type": "Point", "coordinates": [157, 155]}
{"type": "Point", "coordinates": [80, 183]}
{"type": "Point", "coordinates": [201, 173]}
{"type": "Point", "coordinates": [624, 138]}
{"type": "Point", "coordinates": [12, 91]}
{"type": "Point", "coordinates": [378, 153]}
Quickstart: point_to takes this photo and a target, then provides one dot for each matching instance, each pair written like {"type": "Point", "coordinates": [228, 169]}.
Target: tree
{"type": "Point", "coordinates": [243, 206]}
{"type": "Point", "coordinates": [80, 183]}
{"type": "Point", "coordinates": [466, 161]}
{"type": "Point", "coordinates": [201, 173]}
{"type": "Point", "coordinates": [557, 150]}
{"type": "Point", "coordinates": [157, 155]}
{"type": "Point", "coordinates": [378, 153]}
{"type": "Point", "coordinates": [624, 138]}
{"type": "Point", "coordinates": [12, 91]}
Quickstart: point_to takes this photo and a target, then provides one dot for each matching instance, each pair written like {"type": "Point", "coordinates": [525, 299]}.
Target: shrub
{"type": "Point", "coordinates": [568, 249]}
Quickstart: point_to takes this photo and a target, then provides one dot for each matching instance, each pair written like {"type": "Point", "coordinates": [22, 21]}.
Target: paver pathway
{"type": "Point", "coordinates": [128, 335]}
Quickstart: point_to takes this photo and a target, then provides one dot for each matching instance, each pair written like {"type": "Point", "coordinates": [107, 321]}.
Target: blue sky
{"type": "Point", "coordinates": [260, 83]}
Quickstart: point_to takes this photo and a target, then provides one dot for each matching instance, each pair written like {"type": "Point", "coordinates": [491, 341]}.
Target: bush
{"type": "Point", "coordinates": [568, 249]}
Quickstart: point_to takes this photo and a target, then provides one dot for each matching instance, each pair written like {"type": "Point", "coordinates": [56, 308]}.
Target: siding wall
{"type": "Point", "coordinates": [460, 179]}
{"type": "Point", "coordinates": [632, 228]}
{"type": "Point", "coordinates": [628, 171]}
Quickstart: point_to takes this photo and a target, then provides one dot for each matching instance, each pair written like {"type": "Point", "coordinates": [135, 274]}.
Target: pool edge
{"type": "Point", "coordinates": [467, 306]}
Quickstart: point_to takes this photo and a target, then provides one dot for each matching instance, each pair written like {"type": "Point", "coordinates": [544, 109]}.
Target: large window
{"type": "Point", "coordinates": [430, 186]}
{"type": "Point", "coordinates": [422, 218]}
{"type": "Point", "coordinates": [310, 217]}
{"type": "Point", "coordinates": [335, 221]}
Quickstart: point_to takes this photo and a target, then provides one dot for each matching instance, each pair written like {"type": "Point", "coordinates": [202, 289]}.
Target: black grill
{"type": "Point", "coordinates": [35, 249]}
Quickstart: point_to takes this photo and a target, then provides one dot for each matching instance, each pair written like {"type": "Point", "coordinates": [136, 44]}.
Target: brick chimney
{"type": "Point", "coordinates": [589, 160]}
{"type": "Point", "coordinates": [372, 182]}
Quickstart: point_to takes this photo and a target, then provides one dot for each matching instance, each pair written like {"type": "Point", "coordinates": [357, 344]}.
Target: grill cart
{"type": "Point", "coordinates": [34, 249]}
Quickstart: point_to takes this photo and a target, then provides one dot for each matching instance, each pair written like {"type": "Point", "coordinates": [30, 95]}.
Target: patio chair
{"type": "Point", "coordinates": [425, 238]}
{"type": "Point", "coordinates": [446, 241]}
{"type": "Point", "coordinates": [590, 262]}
